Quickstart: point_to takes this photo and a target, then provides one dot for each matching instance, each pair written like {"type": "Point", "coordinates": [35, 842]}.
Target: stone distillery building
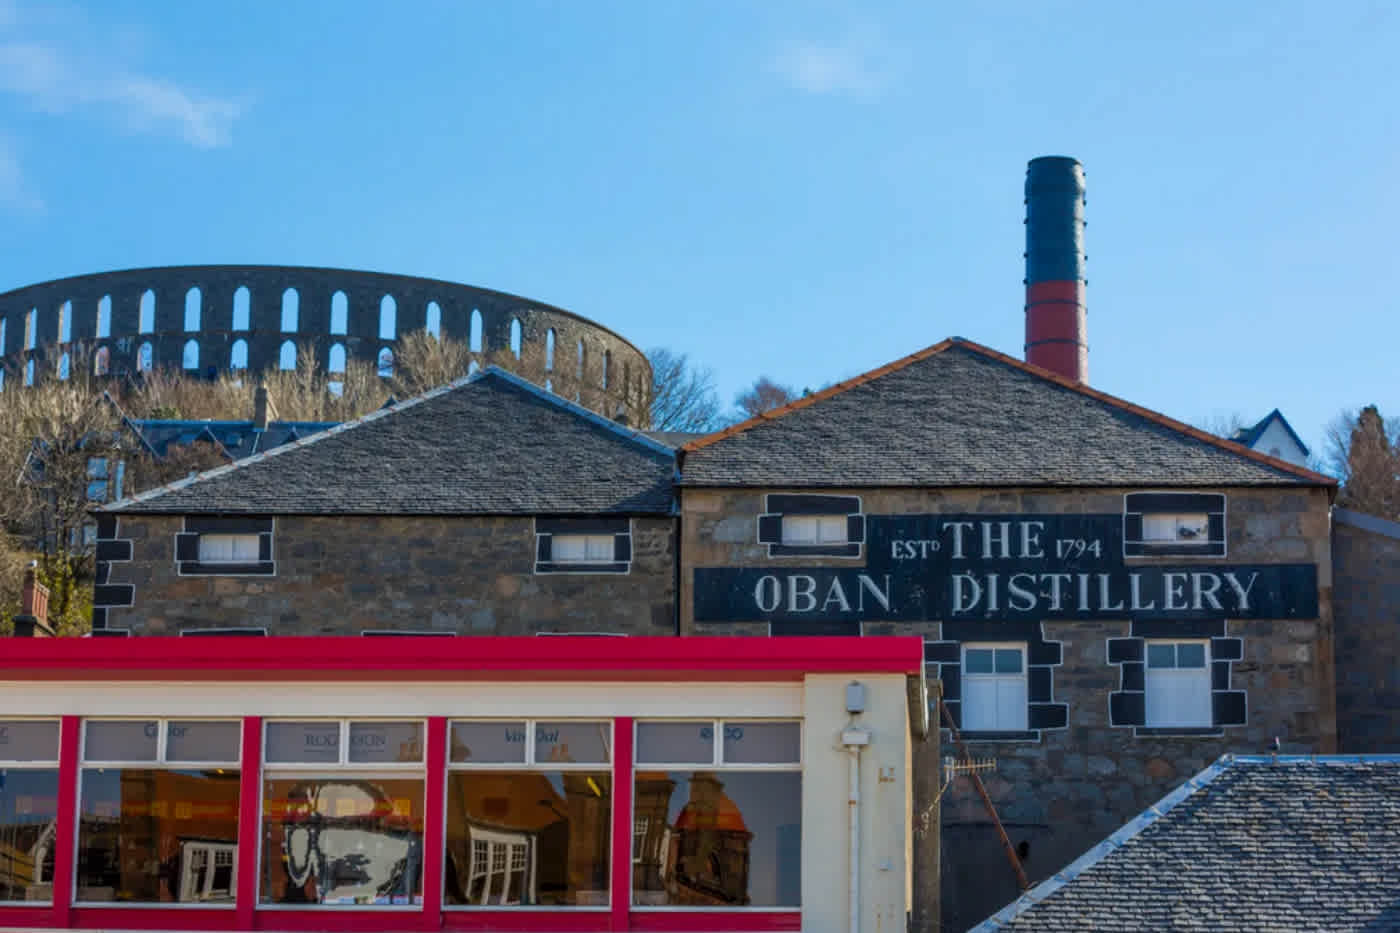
{"type": "Point", "coordinates": [1105, 599]}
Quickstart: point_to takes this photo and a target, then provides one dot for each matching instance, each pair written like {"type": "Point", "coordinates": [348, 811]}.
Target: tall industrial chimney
{"type": "Point", "coordinates": [1055, 309]}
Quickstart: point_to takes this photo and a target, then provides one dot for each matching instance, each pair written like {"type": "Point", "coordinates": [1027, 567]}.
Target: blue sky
{"type": "Point", "coordinates": [800, 190]}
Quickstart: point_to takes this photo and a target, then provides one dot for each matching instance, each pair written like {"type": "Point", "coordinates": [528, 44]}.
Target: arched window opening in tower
{"type": "Point", "coordinates": [190, 359]}
{"type": "Point", "coordinates": [31, 329]}
{"type": "Point", "coordinates": [3, 322]}
{"type": "Point", "coordinates": [102, 362]}
{"type": "Point", "coordinates": [432, 321]}
{"type": "Point", "coordinates": [147, 316]}
{"type": "Point", "coordinates": [336, 360]}
{"type": "Point", "coordinates": [386, 363]}
{"type": "Point", "coordinates": [549, 350]}
{"type": "Point", "coordinates": [607, 367]}
{"type": "Point", "coordinates": [104, 316]}
{"type": "Point", "coordinates": [474, 337]}
{"type": "Point", "coordinates": [238, 358]}
{"type": "Point", "coordinates": [65, 322]}
{"type": "Point", "coordinates": [29, 373]}
{"type": "Point", "coordinates": [145, 358]}
{"type": "Point", "coordinates": [388, 318]}
{"type": "Point", "coordinates": [516, 337]}
{"type": "Point", "coordinates": [242, 307]}
{"type": "Point", "coordinates": [291, 309]}
{"type": "Point", "coordinates": [473, 368]}
{"type": "Point", "coordinates": [63, 365]}
{"type": "Point", "coordinates": [579, 375]}
{"type": "Point", "coordinates": [192, 302]}
{"type": "Point", "coordinates": [340, 313]}
{"type": "Point", "coordinates": [287, 356]}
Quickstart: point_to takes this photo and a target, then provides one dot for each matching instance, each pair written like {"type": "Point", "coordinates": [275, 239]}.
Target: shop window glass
{"type": "Point", "coordinates": [28, 809]}
{"type": "Point", "coordinates": [158, 813]}
{"type": "Point", "coordinates": [528, 814]}
{"type": "Point", "coordinates": [727, 833]}
{"type": "Point", "coordinates": [343, 813]}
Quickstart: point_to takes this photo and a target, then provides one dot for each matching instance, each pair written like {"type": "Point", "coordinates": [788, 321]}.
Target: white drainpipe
{"type": "Point", "coordinates": [855, 738]}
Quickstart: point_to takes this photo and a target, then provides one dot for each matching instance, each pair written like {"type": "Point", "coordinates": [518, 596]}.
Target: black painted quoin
{"type": "Point", "coordinates": [1007, 568]}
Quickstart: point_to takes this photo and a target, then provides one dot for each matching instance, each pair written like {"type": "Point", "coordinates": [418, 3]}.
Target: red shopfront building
{"type": "Point", "coordinates": [568, 784]}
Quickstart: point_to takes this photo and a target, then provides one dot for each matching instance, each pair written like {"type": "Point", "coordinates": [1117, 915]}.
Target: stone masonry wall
{"type": "Point", "coordinates": [1366, 554]}
{"type": "Point", "coordinates": [1066, 790]}
{"type": "Point", "coordinates": [342, 575]}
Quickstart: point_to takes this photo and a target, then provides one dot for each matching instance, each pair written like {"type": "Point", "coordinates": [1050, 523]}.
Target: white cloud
{"type": "Point", "coordinates": [860, 62]}
{"type": "Point", "coordinates": [53, 80]}
{"type": "Point", "coordinates": [15, 192]}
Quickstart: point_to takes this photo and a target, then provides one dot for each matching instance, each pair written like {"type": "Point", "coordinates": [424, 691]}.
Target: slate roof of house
{"type": "Point", "coordinates": [1251, 843]}
{"type": "Point", "coordinates": [1250, 436]}
{"type": "Point", "coordinates": [960, 414]}
{"type": "Point", "coordinates": [488, 444]}
{"type": "Point", "coordinates": [235, 439]}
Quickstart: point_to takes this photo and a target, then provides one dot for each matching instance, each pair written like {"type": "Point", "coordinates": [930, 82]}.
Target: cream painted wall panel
{"type": "Point", "coordinates": [884, 789]}
{"type": "Point", "coordinates": [392, 699]}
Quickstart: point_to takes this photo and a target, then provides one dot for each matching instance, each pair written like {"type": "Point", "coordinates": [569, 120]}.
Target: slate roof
{"type": "Point", "coordinates": [1250, 436]}
{"type": "Point", "coordinates": [1251, 843]}
{"type": "Point", "coordinates": [236, 439]}
{"type": "Point", "coordinates": [488, 444]}
{"type": "Point", "coordinates": [960, 414]}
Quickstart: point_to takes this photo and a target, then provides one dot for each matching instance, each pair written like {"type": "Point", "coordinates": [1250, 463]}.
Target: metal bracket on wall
{"type": "Point", "coordinates": [1011, 855]}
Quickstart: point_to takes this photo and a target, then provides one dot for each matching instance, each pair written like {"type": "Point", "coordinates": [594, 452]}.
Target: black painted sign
{"type": "Point", "coordinates": [939, 567]}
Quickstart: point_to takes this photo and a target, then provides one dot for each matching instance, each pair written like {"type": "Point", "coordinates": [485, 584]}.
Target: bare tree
{"type": "Point", "coordinates": [764, 396]}
{"type": "Point", "coordinates": [683, 396]}
{"type": "Point", "coordinates": [1226, 426]}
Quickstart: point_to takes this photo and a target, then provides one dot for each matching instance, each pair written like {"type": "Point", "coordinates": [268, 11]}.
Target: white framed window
{"type": "Point", "coordinates": [1178, 684]}
{"type": "Point", "coordinates": [1176, 528]}
{"type": "Point", "coordinates": [529, 813]}
{"type": "Point", "coordinates": [582, 549]}
{"type": "Point", "coordinates": [994, 688]}
{"type": "Point", "coordinates": [28, 809]}
{"type": "Point", "coordinates": [814, 529]}
{"type": "Point", "coordinates": [343, 812]}
{"type": "Point", "coordinates": [145, 782]}
{"type": "Point", "coordinates": [228, 549]}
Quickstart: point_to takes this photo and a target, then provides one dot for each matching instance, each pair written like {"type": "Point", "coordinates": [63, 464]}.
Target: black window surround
{"type": "Point", "coordinates": [1138, 504]}
{"type": "Point", "coordinates": [1127, 706]}
{"type": "Point", "coordinates": [943, 661]}
{"type": "Point", "coordinates": [187, 547]}
{"type": "Point", "coordinates": [547, 528]}
{"type": "Point", "coordinates": [777, 505]}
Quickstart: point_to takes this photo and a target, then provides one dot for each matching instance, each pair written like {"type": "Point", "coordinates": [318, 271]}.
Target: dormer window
{"type": "Point", "coordinates": [1174, 524]}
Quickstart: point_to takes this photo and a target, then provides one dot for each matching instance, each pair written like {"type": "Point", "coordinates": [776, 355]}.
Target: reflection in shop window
{"type": "Point", "coordinates": [343, 813]}
{"type": "Point", "coordinates": [28, 809]}
{"type": "Point", "coordinates": [528, 814]}
{"type": "Point", "coordinates": [158, 814]}
{"type": "Point", "coordinates": [725, 835]}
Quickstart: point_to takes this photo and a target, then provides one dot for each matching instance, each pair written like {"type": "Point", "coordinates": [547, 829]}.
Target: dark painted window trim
{"type": "Point", "coordinates": [1138, 504]}
{"type": "Point", "coordinates": [620, 528]}
{"type": "Point", "coordinates": [226, 630]}
{"type": "Point", "coordinates": [1127, 706]}
{"type": "Point", "coordinates": [776, 505]}
{"type": "Point", "coordinates": [187, 563]}
{"type": "Point", "coordinates": [943, 660]}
